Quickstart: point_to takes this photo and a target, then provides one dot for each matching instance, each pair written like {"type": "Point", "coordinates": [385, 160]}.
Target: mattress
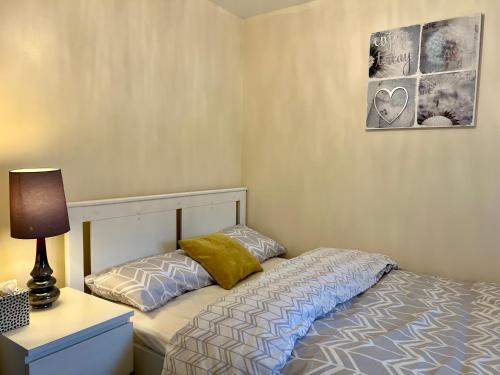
{"type": "Point", "coordinates": [155, 329]}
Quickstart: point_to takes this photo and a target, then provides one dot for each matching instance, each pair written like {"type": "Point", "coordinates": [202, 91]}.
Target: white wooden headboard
{"type": "Point", "coordinates": [109, 232]}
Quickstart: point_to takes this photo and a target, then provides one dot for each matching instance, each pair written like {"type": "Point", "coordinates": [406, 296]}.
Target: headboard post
{"type": "Point", "coordinates": [178, 224]}
{"type": "Point", "coordinates": [108, 232]}
{"type": "Point", "coordinates": [73, 253]}
{"type": "Point", "coordinates": [242, 208]}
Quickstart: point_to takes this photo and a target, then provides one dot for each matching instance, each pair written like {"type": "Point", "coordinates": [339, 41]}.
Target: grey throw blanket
{"type": "Point", "coordinates": [254, 329]}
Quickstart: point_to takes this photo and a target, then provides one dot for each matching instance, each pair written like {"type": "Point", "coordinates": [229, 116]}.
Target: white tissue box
{"type": "Point", "coordinates": [14, 311]}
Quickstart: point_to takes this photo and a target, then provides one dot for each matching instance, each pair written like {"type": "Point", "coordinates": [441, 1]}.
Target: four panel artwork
{"type": "Point", "coordinates": [424, 76]}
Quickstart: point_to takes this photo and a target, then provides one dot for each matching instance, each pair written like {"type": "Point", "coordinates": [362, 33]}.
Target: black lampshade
{"type": "Point", "coordinates": [37, 203]}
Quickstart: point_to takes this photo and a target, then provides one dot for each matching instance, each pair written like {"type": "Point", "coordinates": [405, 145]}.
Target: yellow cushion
{"type": "Point", "coordinates": [224, 258]}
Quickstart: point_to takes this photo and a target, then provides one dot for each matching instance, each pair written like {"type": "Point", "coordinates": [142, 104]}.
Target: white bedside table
{"type": "Point", "coordinates": [79, 334]}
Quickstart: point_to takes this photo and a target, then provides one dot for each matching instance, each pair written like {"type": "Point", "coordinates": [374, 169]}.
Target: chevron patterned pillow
{"type": "Point", "coordinates": [260, 246]}
{"type": "Point", "coordinates": [150, 282]}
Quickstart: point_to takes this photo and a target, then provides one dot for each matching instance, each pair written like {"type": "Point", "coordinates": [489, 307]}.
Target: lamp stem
{"type": "Point", "coordinates": [41, 268]}
{"type": "Point", "coordinates": [43, 291]}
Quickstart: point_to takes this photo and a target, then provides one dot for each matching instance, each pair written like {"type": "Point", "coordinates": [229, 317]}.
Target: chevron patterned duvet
{"type": "Point", "coordinates": [253, 330]}
{"type": "Point", "coordinates": [407, 324]}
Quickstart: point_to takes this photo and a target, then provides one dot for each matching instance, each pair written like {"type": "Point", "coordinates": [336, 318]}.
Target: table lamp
{"type": "Point", "coordinates": [38, 210]}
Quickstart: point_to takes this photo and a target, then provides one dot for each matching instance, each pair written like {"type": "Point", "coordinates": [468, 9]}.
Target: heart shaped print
{"type": "Point", "coordinates": [390, 93]}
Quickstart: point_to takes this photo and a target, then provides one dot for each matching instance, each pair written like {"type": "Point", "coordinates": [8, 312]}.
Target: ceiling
{"type": "Point", "coordinates": [249, 8]}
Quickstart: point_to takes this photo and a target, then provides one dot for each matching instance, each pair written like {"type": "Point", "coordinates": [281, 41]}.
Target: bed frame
{"type": "Point", "coordinates": [105, 233]}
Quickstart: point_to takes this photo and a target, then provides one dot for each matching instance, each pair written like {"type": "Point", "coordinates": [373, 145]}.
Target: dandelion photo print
{"type": "Point", "coordinates": [447, 99]}
{"type": "Point", "coordinates": [450, 45]}
{"type": "Point", "coordinates": [424, 76]}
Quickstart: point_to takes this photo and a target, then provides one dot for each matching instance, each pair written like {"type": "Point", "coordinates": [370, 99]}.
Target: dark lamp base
{"type": "Point", "coordinates": [43, 290]}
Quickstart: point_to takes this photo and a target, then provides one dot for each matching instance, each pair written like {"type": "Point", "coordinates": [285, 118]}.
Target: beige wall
{"type": "Point", "coordinates": [143, 97]}
{"type": "Point", "coordinates": [430, 198]}
{"type": "Point", "coordinates": [127, 97]}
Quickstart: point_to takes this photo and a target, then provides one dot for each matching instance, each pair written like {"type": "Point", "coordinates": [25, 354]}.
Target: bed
{"type": "Point", "coordinates": [398, 323]}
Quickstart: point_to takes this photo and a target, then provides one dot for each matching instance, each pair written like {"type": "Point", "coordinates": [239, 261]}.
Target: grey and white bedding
{"type": "Point", "coordinates": [155, 329]}
{"type": "Point", "coordinates": [253, 330]}
{"type": "Point", "coordinates": [405, 324]}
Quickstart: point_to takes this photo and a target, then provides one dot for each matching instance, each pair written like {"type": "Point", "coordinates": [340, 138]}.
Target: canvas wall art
{"type": "Point", "coordinates": [394, 53]}
{"type": "Point", "coordinates": [446, 99]}
{"type": "Point", "coordinates": [450, 45]}
{"type": "Point", "coordinates": [392, 102]}
{"type": "Point", "coordinates": [424, 76]}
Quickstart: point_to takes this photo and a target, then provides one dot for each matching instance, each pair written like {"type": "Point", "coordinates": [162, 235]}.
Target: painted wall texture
{"type": "Point", "coordinates": [127, 97]}
{"type": "Point", "coordinates": [143, 97]}
{"type": "Point", "coordinates": [429, 198]}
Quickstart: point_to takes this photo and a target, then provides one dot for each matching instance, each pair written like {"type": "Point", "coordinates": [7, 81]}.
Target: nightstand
{"type": "Point", "coordinates": [79, 334]}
